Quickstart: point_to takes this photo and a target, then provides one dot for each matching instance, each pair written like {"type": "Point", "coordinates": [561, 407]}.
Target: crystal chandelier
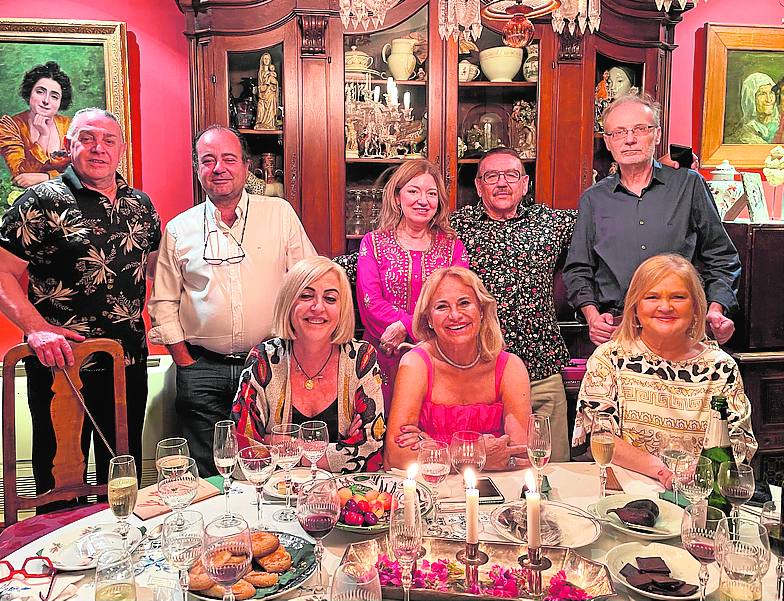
{"type": "Point", "coordinates": [513, 17]}
{"type": "Point", "coordinates": [455, 16]}
{"type": "Point", "coordinates": [578, 14]}
{"type": "Point", "coordinates": [666, 4]}
{"type": "Point", "coordinates": [363, 13]}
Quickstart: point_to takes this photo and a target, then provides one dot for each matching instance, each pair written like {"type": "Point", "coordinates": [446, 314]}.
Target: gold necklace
{"type": "Point", "coordinates": [309, 383]}
{"type": "Point", "coordinates": [455, 363]}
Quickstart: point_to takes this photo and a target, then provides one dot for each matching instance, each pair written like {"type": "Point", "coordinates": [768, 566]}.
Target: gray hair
{"type": "Point", "coordinates": [93, 109]}
{"type": "Point", "coordinates": [641, 99]}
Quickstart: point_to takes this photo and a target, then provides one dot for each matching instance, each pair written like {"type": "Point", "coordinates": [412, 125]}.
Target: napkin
{"type": "Point", "coordinates": [150, 505]}
{"type": "Point", "coordinates": [64, 588]}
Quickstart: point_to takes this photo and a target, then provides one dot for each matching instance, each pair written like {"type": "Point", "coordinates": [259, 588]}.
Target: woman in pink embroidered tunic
{"type": "Point", "coordinates": [458, 378]}
{"type": "Point", "coordinates": [413, 239]}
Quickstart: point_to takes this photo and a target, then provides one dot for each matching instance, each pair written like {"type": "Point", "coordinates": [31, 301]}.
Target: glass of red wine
{"type": "Point", "coordinates": [318, 509]}
{"type": "Point", "coordinates": [228, 533]}
{"type": "Point", "coordinates": [736, 483]}
{"type": "Point", "coordinates": [698, 532]}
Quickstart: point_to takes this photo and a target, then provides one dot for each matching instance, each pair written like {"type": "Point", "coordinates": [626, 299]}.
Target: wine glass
{"type": "Point", "coordinates": [355, 581]}
{"type": "Point", "coordinates": [182, 540]}
{"type": "Point", "coordinates": [770, 518]}
{"type": "Point", "coordinates": [405, 537]}
{"type": "Point", "coordinates": [736, 483]}
{"type": "Point", "coordinates": [171, 447]}
{"type": "Point", "coordinates": [114, 576]}
{"type": "Point", "coordinates": [227, 533]}
{"type": "Point", "coordinates": [698, 531]}
{"type": "Point", "coordinates": [434, 465]}
{"type": "Point", "coordinates": [467, 449]}
{"type": "Point", "coordinates": [178, 482]}
{"type": "Point", "coordinates": [693, 478]}
{"type": "Point", "coordinates": [539, 444]}
{"type": "Point", "coordinates": [738, 442]}
{"type": "Point", "coordinates": [257, 463]}
{"type": "Point", "coordinates": [288, 448]}
{"type": "Point", "coordinates": [603, 445]}
{"type": "Point", "coordinates": [122, 490]}
{"type": "Point", "coordinates": [315, 438]}
{"type": "Point", "coordinates": [224, 453]}
{"type": "Point", "coordinates": [672, 449]}
{"type": "Point", "coordinates": [318, 509]}
{"type": "Point", "coordinates": [749, 534]}
{"type": "Point", "coordinates": [743, 552]}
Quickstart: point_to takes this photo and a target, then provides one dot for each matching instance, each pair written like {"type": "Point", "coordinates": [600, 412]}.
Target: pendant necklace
{"type": "Point", "coordinates": [454, 364]}
{"type": "Point", "coordinates": [309, 380]}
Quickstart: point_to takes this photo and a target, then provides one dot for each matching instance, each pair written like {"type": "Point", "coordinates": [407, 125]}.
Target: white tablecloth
{"type": "Point", "coordinates": [575, 483]}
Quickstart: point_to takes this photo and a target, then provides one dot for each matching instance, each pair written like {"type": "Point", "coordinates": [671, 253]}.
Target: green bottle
{"type": "Point", "coordinates": [718, 449]}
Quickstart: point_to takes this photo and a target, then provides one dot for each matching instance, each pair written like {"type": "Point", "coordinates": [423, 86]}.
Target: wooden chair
{"type": "Point", "coordinates": [67, 416]}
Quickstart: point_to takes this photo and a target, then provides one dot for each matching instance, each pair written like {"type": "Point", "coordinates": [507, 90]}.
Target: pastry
{"type": "Point", "coordinates": [278, 561]}
{"type": "Point", "coordinates": [263, 543]}
{"type": "Point", "coordinates": [261, 579]}
{"type": "Point", "coordinates": [199, 579]}
{"type": "Point", "coordinates": [242, 590]}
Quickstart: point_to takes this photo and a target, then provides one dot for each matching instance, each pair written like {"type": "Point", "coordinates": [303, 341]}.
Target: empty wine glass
{"type": "Point", "coordinates": [288, 449]}
{"type": "Point", "coordinates": [405, 537]}
{"type": "Point", "coordinates": [318, 509]}
{"type": "Point", "coordinates": [257, 463]}
{"type": "Point", "coordinates": [603, 445]}
{"type": "Point", "coordinates": [355, 581]}
{"type": "Point", "coordinates": [182, 540]}
{"type": "Point", "coordinates": [434, 465]}
{"type": "Point", "coordinates": [673, 448]}
{"type": "Point", "coordinates": [736, 483]}
{"type": "Point", "coordinates": [227, 533]}
{"type": "Point", "coordinates": [467, 449]}
{"type": "Point", "coordinates": [738, 442]}
{"type": "Point", "coordinates": [224, 453]}
{"type": "Point", "coordinates": [539, 444]}
{"type": "Point", "coordinates": [698, 532]}
{"type": "Point", "coordinates": [171, 447]}
{"type": "Point", "coordinates": [771, 519]}
{"type": "Point", "coordinates": [122, 490]}
{"type": "Point", "coordinates": [114, 576]}
{"type": "Point", "coordinates": [315, 438]}
{"type": "Point", "coordinates": [743, 552]}
{"type": "Point", "coordinates": [178, 482]}
{"type": "Point", "coordinates": [693, 478]}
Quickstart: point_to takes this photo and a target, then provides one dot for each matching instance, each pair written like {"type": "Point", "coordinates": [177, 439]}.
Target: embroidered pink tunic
{"type": "Point", "coordinates": [389, 280]}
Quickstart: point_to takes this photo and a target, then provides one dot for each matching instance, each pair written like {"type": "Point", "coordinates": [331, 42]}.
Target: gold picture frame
{"type": "Point", "coordinates": [106, 39]}
{"type": "Point", "coordinates": [735, 56]}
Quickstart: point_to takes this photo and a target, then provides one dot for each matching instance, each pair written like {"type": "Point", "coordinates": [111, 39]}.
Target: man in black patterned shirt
{"type": "Point", "coordinates": [514, 247]}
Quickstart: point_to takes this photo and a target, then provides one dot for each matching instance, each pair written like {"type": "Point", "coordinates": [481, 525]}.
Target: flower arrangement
{"type": "Point", "coordinates": [443, 575]}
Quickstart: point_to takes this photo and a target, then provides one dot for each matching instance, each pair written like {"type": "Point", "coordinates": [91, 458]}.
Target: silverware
{"type": "Point", "coordinates": [637, 527]}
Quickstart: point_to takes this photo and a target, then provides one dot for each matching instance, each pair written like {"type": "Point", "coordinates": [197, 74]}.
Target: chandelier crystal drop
{"type": "Point", "coordinates": [578, 14]}
{"type": "Point", "coordinates": [666, 4]}
{"type": "Point", "coordinates": [364, 13]}
{"type": "Point", "coordinates": [455, 16]}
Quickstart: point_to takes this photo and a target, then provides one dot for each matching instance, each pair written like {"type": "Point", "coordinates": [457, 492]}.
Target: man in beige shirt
{"type": "Point", "coordinates": [219, 269]}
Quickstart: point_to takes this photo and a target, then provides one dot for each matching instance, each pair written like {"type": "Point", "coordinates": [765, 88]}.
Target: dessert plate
{"type": "Point", "coordinates": [79, 548]}
{"type": "Point", "coordinates": [669, 520]}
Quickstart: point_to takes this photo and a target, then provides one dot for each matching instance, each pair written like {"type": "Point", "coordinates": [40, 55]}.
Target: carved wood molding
{"type": "Point", "coordinates": [314, 33]}
{"type": "Point", "coordinates": [570, 46]}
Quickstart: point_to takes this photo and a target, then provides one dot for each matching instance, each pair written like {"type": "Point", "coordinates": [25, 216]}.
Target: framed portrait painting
{"type": "Point", "coordinates": [48, 71]}
{"type": "Point", "coordinates": [743, 108]}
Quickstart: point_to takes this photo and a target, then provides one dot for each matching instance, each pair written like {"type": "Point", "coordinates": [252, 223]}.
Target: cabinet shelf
{"type": "Point", "coordinates": [498, 84]}
{"type": "Point", "coordinates": [380, 161]}
{"type": "Point", "coordinates": [354, 236]}
{"type": "Point", "coordinates": [400, 82]}
{"type": "Point", "coordinates": [262, 132]}
{"type": "Point", "coordinates": [475, 160]}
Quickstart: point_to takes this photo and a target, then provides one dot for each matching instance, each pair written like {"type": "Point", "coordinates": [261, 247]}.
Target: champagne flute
{"type": "Point", "coordinates": [355, 581]}
{"type": "Point", "coordinates": [539, 444]}
{"type": "Point", "coordinates": [178, 482]}
{"type": "Point", "coordinates": [698, 531]}
{"type": "Point", "coordinates": [114, 576]}
{"type": "Point", "coordinates": [770, 518]}
{"type": "Point", "coordinates": [603, 445]}
{"type": "Point", "coordinates": [227, 533]}
{"type": "Point", "coordinates": [171, 447]}
{"type": "Point", "coordinates": [693, 478]}
{"type": "Point", "coordinates": [467, 449]}
{"type": "Point", "coordinates": [736, 483]}
{"type": "Point", "coordinates": [224, 453]}
{"type": "Point", "coordinates": [315, 438]}
{"type": "Point", "coordinates": [122, 490]}
{"type": "Point", "coordinates": [182, 540]}
{"type": "Point", "coordinates": [288, 448]}
{"type": "Point", "coordinates": [257, 463]}
{"type": "Point", "coordinates": [434, 465]}
{"type": "Point", "coordinates": [318, 509]}
{"type": "Point", "coordinates": [405, 537]}
{"type": "Point", "coordinates": [671, 450]}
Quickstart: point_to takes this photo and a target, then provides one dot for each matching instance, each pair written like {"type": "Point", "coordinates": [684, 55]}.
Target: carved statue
{"type": "Point", "coordinates": [352, 149]}
{"type": "Point", "coordinates": [267, 110]}
{"type": "Point", "coordinates": [522, 129]}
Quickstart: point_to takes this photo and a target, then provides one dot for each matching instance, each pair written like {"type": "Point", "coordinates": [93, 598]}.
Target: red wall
{"type": "Point", "coordinates": [159, 92]}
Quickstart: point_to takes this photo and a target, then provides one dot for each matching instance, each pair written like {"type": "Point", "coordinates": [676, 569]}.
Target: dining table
{"type": "Point", "coordinates": [574, 483]}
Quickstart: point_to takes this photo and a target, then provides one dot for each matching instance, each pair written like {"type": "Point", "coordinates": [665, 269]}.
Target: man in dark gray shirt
{"type": "Point", "coordinates": [644, 210]}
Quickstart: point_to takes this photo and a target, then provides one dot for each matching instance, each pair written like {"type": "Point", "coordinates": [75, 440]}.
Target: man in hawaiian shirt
{"type": "Point", "coordinates": [84, 240]}
{"type": "Point", "coordinates": [514, 246]}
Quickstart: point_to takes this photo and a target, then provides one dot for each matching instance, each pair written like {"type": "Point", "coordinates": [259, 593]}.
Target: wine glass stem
{"type": "Point", "coordinates": [539, 479]}
{"type": "Point", "coordinates": [435, 504]}
{"type": "Point", "coordinates": [406, 579]}
{"type": "Point", "coordinates": [184, 582]}
{"type": "Point", "coordinates": [703, 580]}
{"type": "Point", "coordinates": [735, 511]}
{"type": "Point", "coordinates": [602, 481]}
{"type": "Point", "coordinates": [288, 490]}
{"type": "Point", "coordinates": [124, 527]}
{"type": "Point", "coordinates": [780, 579]}
{"type": "Point", "coordinates": [319, 553]}
{"type": "Point", "coordinates": [259, 504]}
{"type": "Point", "coordinates": [313, 471]}
{"type": "Point", "coordinates": [226, 488]}
{"type": "Point", "coordinates": [228, 593]}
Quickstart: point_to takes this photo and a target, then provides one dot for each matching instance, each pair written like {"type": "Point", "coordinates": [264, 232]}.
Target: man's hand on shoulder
{"type": "Point", "coordinates": [50, 344]}
{"type": "Point", "coordinates": [721, 325]}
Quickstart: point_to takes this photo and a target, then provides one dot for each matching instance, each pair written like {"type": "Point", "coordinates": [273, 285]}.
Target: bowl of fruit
{"type": "Point", "coordinates": [366, 501]}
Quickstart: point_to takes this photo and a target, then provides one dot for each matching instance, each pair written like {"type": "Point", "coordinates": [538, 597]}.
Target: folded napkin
{"type": "Point", "coordinates": [65, 587]}
{"type": "Point", "coordinates": [150, 505]}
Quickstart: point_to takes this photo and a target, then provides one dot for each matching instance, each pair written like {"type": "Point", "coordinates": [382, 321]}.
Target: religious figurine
{"type": "Point", "coordinates": [473, 137]}
{"type": "Point", "coordinates": [522, 129]}
{"type": "Point", "coordinates": [267, 111]}
{"type": "Point", "coordinates": [244, 106]}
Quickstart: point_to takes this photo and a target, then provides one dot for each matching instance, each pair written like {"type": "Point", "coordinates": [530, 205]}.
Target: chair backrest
{"type": "Point", "coordinates": [67, 416]}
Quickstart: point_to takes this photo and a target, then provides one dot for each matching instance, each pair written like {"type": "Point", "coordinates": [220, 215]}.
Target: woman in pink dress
{"type": "Point", "coordinates": [413, 239]}
{"type": "Point", "coordinates": [458, 378]}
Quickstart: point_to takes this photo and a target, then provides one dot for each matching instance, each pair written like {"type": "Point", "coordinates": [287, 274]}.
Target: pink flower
{"type": "Point", "coordinates": [562, 590]}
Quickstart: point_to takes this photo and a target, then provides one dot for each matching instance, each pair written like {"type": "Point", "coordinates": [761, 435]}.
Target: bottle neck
{"type": "Point", "coordinates": [718, 432]}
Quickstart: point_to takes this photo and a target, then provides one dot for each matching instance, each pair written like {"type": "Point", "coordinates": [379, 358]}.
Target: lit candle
{"type": "Point", "coordinates": [390, 86]}
{"type": "Point", "coordinates": [472, 507]}
{"type": "Point", "coordinates": [533, 512]}
{"type": "Point", "coordinates": [410, 495]}
{"type": "Point", "coordinates": [407, 100]}
{"type": "Point", "coordinates": [376, 93]}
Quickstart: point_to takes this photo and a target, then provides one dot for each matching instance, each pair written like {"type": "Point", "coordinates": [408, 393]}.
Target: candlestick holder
{"type": "Point", "coordinates": [535, 563]}
{"type": "Point", "coordinates": [472, 558]}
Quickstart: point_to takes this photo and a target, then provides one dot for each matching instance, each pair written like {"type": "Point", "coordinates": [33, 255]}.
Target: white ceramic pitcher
{"type": "Point", "coordinates": [401, 59]}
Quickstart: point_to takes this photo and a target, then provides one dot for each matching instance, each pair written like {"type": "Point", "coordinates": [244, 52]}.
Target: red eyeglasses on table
{"type": "Point", "coordinates": [32, 567]}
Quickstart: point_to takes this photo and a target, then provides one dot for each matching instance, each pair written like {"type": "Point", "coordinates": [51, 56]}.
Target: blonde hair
{"type": "Point", "coordinates": [491, 340]}
{"type": "Point", "coordinates": [299, 277]}
{"type": "Point", "coordinates": [649, 274]}
{"type": "Point", "coordinates": [391, 213]}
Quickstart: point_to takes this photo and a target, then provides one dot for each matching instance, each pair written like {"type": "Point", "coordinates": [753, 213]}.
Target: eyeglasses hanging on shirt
{"type": "Point", "coordinates": [220, 247]}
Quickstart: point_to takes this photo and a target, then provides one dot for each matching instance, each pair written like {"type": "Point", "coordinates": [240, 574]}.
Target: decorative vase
{"type": "Point", "coordinates": [531, 64]}
{"type": "Point", "coordinates": [399, 55]}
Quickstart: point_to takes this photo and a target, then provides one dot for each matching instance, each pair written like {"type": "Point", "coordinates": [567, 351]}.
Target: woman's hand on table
{"type": "Point", "coordinates": [410, 436]}
{"type": "Point", "coordinates": [665, 477]}
{"type": "Point", "coordinates": [500, 450]}
{"type": "Point", "coordinates": [392, 337]}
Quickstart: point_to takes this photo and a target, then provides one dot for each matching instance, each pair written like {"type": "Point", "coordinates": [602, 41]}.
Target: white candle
{"type": "Point", "coordinates": [407, 100]}
{"type": "Point", "coordinates": [410, 495]}
{"type": "Point", "coordinates": [376, 93]}
{"type": "Point", "coordinates": [472, 508]}
{"type": "Point", "coordinates": [533, 512]}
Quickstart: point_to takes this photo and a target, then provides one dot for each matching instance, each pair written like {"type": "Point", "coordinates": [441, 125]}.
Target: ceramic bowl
{"type": "Point", "coordinates": [501, 63]}
{"type": "Point", "coordinates": [356, 60]}
{"type": "Point", "coordinates": [467, 71]}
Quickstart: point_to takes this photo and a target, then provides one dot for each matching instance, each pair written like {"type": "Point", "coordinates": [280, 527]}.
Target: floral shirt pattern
{"type": "Point", "coordinates": [516, 260]}
{"type": "Point", "coordinates": [87, 256]}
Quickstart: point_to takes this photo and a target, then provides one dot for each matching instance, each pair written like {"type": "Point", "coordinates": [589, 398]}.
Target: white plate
{"type": "Point", "coordinates": [670, 516]}
{"type": "Point", "coordinates": [298, 476]}
{"type": "Point", "coordinates": [79, 549]}
{"type": "Point", "coordinates": [682, 566]}
{"type": "Point", "coordinates": [577, 527]}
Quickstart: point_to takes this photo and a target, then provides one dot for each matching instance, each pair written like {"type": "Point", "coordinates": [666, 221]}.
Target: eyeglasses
{"type": "Point", "coordinates": [212, 240]}
{"type": "Point", "coordinates": [33, 567]}
{"type": "Point", "coordinates": [637, 131]}
{"type": "Point", "coordinates": [491, 177]}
